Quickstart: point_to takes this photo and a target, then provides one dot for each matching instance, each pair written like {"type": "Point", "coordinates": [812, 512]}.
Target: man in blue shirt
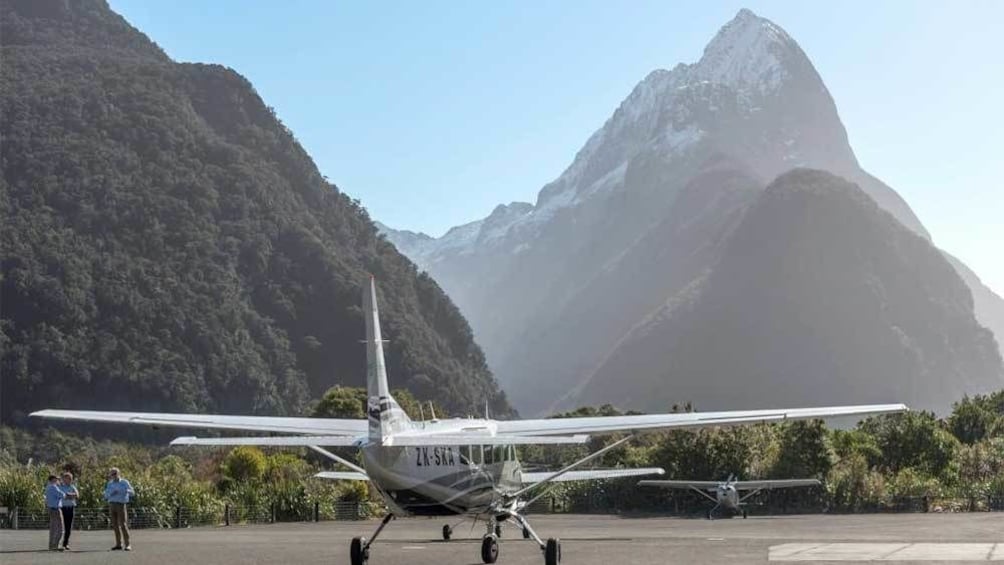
{"type": "Point", "coordinates": [117, 493]}
{"type": "Point", "coordinates": [69, 503]}
{"type": "Point", "coordinates": [53, 501]}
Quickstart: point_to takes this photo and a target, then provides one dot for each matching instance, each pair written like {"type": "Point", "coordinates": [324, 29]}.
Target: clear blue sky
{"type": "Point", "coordinates": [433, 112]}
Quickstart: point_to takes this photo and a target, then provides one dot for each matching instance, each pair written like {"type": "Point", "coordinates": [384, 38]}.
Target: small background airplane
{"type": "Point", "coordinates": [727, 494]}
{"type": "Point", "coordinates": [449, 467]}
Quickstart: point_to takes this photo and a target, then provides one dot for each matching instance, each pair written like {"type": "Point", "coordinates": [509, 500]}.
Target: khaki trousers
{"type": "Point", "coordinates": [55, 528]}
{"type": "Point", "coordinates": [120, 522]}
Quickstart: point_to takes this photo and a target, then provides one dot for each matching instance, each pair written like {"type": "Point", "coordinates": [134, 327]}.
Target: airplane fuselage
{"type": "Point", "coordinates": [432, 480]}
{"type": "Point", "coordinates": [727, 497]}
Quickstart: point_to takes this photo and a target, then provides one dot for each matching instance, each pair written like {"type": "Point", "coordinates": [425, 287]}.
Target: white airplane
{"type": "Point", "coordinates": [448, 467]}
{"type": "Point", "coordinates": [726, 493]}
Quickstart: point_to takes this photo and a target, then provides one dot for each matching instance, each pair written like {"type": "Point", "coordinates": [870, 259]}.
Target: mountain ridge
{"type": "Point", "coordinates": [613, 200]}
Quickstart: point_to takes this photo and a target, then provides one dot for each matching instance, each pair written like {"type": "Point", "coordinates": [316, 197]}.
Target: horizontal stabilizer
{"type": "Point", "coordinates": [279, 441]}
{"type": "Point", "coordinates": [702, 485]}
{"type": "Point", "coordinates": [342, 476]}
{"type": "Point", "coordinates": [478, 439]}
{"type": "Point", "coordinates": [590, 475]}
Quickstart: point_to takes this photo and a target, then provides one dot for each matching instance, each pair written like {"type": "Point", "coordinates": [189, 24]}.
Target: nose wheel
{"type": "Point", "coordinates": [447, 532]}
{"type": "Point", "coordinates": [490, 548]}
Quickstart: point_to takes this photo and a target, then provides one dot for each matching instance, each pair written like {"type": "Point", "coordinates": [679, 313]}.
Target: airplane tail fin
{"type": "Point", "coordinates": [383, 412]}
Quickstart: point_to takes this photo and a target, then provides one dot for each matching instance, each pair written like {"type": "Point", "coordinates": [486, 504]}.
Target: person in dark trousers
{"type": "Point", "coordinates": [69, 503]}
{"type": "Point", "coordinates": [117, 493]}
{"type": "Point", "coordinates": [53, 501]}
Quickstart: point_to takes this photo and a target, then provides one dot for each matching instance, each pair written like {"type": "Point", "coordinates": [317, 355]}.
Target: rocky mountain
{"type": "Point", "coordinates": [642, 214]}
{"type": "Point", "coordinates": [817, 294]}
{"type": "Point", "coordinates": [168, 245]}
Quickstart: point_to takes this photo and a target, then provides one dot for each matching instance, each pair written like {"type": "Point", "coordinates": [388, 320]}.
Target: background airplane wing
{"type": "Point", "coordinates": [590, 475]}
{"type": "Point", "coordinates": [317, 426]}
{"type": "Point", "coordinates": [702, 485]}
{"type": "Point", "coordinates": [602, 424]}
{"type": "Point", "coordinates": [779, 483]}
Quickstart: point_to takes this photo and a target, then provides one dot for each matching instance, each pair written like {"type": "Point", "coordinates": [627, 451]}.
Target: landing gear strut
{"type": "Point", "coordinates": [551, 548]}
{"type": "Point", "coordinates": [359, 549]}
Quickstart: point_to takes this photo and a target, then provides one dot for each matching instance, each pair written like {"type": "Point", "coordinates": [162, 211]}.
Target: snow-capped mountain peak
{"type": "Point", "coordinates": [746, 53]}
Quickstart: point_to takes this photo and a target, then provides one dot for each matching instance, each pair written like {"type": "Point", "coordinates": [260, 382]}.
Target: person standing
{"type": "Point", "coordinates": [117, 493]}
{"type": "Point", "coordinates": [53, 501]}
{"type": "Point", "coordinates": [69, 503]}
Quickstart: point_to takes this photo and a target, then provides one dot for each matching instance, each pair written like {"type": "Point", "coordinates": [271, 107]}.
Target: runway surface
{"type": "Point", "coordinates": [586, 540]}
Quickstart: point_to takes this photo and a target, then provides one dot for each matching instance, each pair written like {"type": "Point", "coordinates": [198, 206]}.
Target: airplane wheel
{"type": "Point", "coordinates": [490, 549]}
{"type": "Point", "coordinates": [447, 532]}
{"type": "Point", "coordinates": [526, 533]}
{"type": "Point", "coordinates": [744, 514]}
{"type": "Point", "coordinates": [552, 552]}
{"type": "Point", "coordinates": [710, 517]}
{"type": "Point", "coordinates": [498, 530]}
{"type": "Point", "coordinates": [359, 554]}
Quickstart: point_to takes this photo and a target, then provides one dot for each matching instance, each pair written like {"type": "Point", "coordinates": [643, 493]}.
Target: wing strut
{"type": "Point", "coordinates": [338, 459]}
{"type": "Point", "coordinates": [557, 474]}
{"type": "Point", "coordinates": [704, 494]}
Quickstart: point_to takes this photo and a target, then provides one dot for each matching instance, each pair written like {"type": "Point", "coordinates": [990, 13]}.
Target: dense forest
{"type": "Point", "coordinates": [168, 245]}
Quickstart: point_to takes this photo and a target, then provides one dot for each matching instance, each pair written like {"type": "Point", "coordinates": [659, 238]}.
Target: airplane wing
{"type": "Point", "coordinates": [282, 441]}
{"type": "Point", "coordinates": [700, 485]}
{"type": "Point", "coordinates": [606, 424]}
{"type": "Point", "coordinates": [590, 475]}
{"type": "Point", "coordinates": [778, 483]}
{"type": "Point", "coordinates": [477, 439]}
{"type": "Point", "coordinates": [342, 476]}
{"type": "Point", "coordinates": [397, 440]}
{"type": "Point", "coordinates": [318, 426]}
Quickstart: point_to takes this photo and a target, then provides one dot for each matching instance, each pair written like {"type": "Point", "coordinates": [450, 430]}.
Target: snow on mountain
{"type": "Point", "coordinates": [668, 113]}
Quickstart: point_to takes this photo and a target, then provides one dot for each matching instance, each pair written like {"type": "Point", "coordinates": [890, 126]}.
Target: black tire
{"type": "Point", "coordinates": [447, 532]}
{"type": "Point", "coordinates": [490, 549]}
{"type": "Point", "coordinates": [552, 552]}
{"type": "Point", "coordinates": [744, 514]}
{"type": "Point", "coordinates": [498, 529]}
{"type": "Point", "coordinates": [359, 554]}
{"type": "Point", "coordinates": [526, 533]}
{"type": "Point", "coordinates": [710, 516]}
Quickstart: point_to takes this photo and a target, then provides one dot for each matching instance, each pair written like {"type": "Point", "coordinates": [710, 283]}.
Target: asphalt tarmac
{"type": "Point", "coordinates": [586, 540]}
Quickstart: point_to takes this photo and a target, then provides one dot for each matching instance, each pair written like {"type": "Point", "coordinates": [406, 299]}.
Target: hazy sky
{"type": "Point", "coordinates": [432, 113]}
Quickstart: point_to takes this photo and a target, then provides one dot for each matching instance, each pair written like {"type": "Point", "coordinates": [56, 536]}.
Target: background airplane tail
{"type": "Point", "coordinates": [383, 412]}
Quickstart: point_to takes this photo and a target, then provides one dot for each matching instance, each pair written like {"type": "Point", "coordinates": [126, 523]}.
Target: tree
{"type": "Point", "coordinates": [971, 419]}
{"type": "Point", "coordinates": [341, 402]}
{"type": "Point", "coordinates": [244, 464]}
{"type": "Point", "coordinates": [804, 451]}
{"type": "Point", "coordinates": [912, 439]}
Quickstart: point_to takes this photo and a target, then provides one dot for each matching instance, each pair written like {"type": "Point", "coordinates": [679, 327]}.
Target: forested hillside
{"type": "Point", "coordinates": [168, 245]}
